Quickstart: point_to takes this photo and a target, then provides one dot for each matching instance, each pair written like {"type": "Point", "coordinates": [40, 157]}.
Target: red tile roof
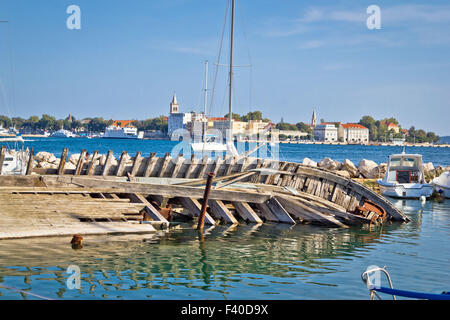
{"type": "Point", "coordinates": [353, 125]}
{"type": "Point", "coordinates": [123, 123]}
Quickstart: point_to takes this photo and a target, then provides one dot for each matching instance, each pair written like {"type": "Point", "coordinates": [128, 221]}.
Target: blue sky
{"type": "Point", "coordinates": [130, 57]}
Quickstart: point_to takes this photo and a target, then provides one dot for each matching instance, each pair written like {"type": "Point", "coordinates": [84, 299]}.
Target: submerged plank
{"type": "Point", "coordinates": [246, 212]}
{"type": "Point", "coordinates": [220, 210]}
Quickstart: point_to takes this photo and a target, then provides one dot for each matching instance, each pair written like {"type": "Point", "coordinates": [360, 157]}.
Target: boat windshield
{"type": "Point", "coordinates": [404, 163]}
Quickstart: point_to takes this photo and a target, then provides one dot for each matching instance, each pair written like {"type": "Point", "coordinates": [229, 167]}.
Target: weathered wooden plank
{"type": "Point", "coordinates": [2, 157]}
{"type": "Point", "coordinates": [279, 211]}
{"type": "Point", "coordinates": [150, 210]}
{"type": "Point", "coordinates": [220, 210]}
{"type": "Point", "coordinates": [217, 164]}
{"type": "Point", "coordinates": [151, 162]}
{"type": "Point", "coordinates": [179, 162]}
{"type": "Point", "coordinates": [229, 166]}
{"type": "Point", "coordinates": [195, 208]}
{"type": "Point", "coordinates": [30, 163]}
{"type": "Point", "coordinates": [107, 165]}
{"type": "Point", "coordinates": [136, 164]}
{"type": "Point", "coordinates": [62, 162]}
{"type": "Point", "coordinates": [80, 162]}
{"type": "Point", "coordinates": [167, 159]}
{"type": "Point", "coordinates": [191, 167]}
{"type": "Point", "coordinates": [266, 212]}
{"type": "Point", "coordinates": [92, 164]}
{"type": "Point", "coordinates": [202, 171]}
{"type": "Point", "coordinates": [246, 212]}
{"type": "Point", "coordinates": [306, 212]}
{"type": "Point", "coordinates": [122, 162]}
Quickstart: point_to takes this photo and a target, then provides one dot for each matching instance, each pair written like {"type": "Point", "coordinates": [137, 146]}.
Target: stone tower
{"type": "Point", "coordinates": [174, 107]}
{"type": "Point", "coordinates": [314, 119]}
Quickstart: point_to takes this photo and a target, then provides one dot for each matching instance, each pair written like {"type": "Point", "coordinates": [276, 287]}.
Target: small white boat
{"type": "Point", "coordinates": [16, 158]}
{"type": "Point", "coordinates": [405, 177]}
{"type": "Point", "coordinates": [63, 134]}
{"type": "Point", "coordinates": [211, 144]}
{"type": "Point", "coordinates": [442, 184]}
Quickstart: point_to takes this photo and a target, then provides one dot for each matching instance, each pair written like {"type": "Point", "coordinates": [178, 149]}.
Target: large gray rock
{"type": "Point", "coordinates": [329, 164]}
{"type": "Point", "coordinates": [74, 158]}
{"type": "Point", "coordinates": [350, 168]}
{"type": "Point", "coordinates": [344, 173]}
{"type": "Point", "coordinates": [70, 166]}
{"type": "Point", "coordinates": [309, 162]}
{"type": "Point", "coordinates": [366, 168]}
{"type": "Point", "coordinates": [379, 171]}
{"type": "Point", "coordinates": [44, 156]}
{"type": "Point", "coordinates": [46, 165]}
{"type": "Point", "coordinates": [427, 167]}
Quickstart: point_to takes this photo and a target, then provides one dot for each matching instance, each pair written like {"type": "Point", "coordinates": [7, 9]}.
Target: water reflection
{"type": "Point", "coordinates": [254, 259]}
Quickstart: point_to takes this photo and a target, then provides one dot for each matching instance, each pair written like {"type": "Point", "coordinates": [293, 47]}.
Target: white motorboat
{"type": "Point", "coordinates": [211, 144]}
{"type": "Point", "coordinates": [62, 133]}
{"type": "Point", "coordinates": [15, 160]}
{"type": "Point", "coordinates": [442, 184]}
{"type": "Point", "coordinates": [113, 132]}
{"type": "Point", "coordinates": [405, 177]}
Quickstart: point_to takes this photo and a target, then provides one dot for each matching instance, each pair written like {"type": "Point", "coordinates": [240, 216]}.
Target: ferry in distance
{"type": "Point", "coordinates": [113, 132]}
{"type": "Point", "coordinates": [63, 134]}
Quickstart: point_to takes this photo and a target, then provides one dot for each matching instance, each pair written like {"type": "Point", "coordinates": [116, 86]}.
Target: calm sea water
{"type": "Point", "coordinates": [272, 261]}
{"type": "Point", "coordinates": [287, 152]}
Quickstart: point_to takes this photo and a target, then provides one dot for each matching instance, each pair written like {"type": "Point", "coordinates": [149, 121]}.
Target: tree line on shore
{"type": "Point", "coordinates": [378, 129]}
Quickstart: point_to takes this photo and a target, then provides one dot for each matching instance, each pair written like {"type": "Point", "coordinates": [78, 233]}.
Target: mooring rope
{"type": "Point", "coordinates": [25, 292]}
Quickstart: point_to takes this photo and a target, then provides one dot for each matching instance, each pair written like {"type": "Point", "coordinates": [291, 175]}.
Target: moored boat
{"type": "Point", "coordinates": [405, 177]}
{"type": "Point", "coordinates": [63, 134]}
{"type": "Point", "coordinates": [113, 132]}
{"type": "Point", "coordinates": [15, 159]}
{"type": "Point", "coordinates": [442, 184]}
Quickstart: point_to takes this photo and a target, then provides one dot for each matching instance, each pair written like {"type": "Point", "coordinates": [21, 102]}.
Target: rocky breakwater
{"type": "Point", "coordinates": [367, 169]}
{"type": "Point", "coordinates": [48, 160]}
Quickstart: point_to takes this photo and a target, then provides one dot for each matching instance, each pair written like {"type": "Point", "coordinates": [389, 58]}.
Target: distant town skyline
{"type": "Point", "coordinates": [129, 58]}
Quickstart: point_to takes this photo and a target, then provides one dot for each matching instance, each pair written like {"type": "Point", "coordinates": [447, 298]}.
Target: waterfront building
{"type": "Point", "coordinates": [238, 127]}
{"type": "Point", "coordinates": [326, 132]}
{"type": "Point", "coordinates": [393, 126]}
{"type": "Point", "coordinates": [176, 119]}
{"type": "Point", "coordinates": [355, 133]}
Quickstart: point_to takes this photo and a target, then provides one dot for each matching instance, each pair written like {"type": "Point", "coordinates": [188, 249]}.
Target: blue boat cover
{"type": "Point", "coordinates": [412, 294]}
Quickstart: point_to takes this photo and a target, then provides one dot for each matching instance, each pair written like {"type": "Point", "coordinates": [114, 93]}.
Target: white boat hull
{"type": "Point", "coordinates": [216, 147]}
{"type": "Point", "coordinates": [405, 190]}
{"type": "Point", "coordinates": [442, 184]}
{"type": "Point", "coordinates": [444, 190]}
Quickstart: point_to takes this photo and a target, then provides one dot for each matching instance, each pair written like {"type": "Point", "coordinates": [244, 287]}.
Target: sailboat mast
{"type": "Point", "coordinates": [205, 102]}
{"type": "Point", "coordinates": [230, 97]}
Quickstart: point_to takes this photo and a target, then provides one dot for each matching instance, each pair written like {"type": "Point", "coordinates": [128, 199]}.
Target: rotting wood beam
{"type": "Point", "coordinates": [62, 162]}
{"type": "Point", "coordinates": [80, 162]}
{"type": "Point", "coordinates": [30, 163]}
{"type": "Point", "coordinates": [91, 167]}
{"type": "Point", "coordinates": [279, 211]}
{"type": "Point", "coordinates": [121, 165]}
{"type": "Point", "coordinates": [220, 210]}
{"type": "Point", "coordinates": [136, 164]}
{"type": "Point", "coordinates": [194, 207]}
{"type": "Point", "coordinates": [2, 157]}
{"type": "Point", "coordinates": [246, 212]}
{"type": "Point", "coordinates": [108, 161]}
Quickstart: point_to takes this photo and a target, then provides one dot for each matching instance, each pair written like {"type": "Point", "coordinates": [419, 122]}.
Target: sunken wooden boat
{"type": "Point", "coordinates": [142, 194]}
